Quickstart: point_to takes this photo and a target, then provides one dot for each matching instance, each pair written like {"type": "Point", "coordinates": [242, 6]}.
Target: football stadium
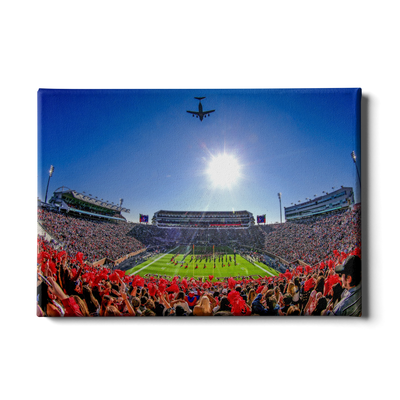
{"type": "Point", "coordinates": [183, 257]}
{"type": "Point", "coordinates": [94, 260]}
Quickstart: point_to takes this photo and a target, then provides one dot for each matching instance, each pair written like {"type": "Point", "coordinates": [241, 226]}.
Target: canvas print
{"type": "Point", "coordinates": [187, 202]}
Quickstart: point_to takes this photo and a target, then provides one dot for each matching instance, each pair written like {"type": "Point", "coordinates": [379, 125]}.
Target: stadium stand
{"type": "Point", "coordinates": [155, 236]}
{"type": "Point", "coordinates": [206, 219]}
{"type": "Point", "coordinates": [314, 238]}
{"type": "Point", "coordinates": [67, 200]}
{"type": "Point", "coordinates": [342, 198]}
{"type": "Point", "coordinates": [98, 239]}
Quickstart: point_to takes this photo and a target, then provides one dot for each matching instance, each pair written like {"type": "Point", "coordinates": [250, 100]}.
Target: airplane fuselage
{"type": "Point", "coordinates": [201, 111]}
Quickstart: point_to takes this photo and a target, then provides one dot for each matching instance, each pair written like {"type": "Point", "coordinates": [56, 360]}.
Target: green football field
{"type": "Point", "coordinates": [161, 264]}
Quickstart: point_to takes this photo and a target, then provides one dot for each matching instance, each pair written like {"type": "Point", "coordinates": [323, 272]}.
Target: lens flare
{"type": "Point", "coordinates": [224, 170]}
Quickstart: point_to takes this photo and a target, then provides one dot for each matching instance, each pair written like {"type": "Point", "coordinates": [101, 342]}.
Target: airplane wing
{"type": "Point", "coordinates": [208, 112]}
{"type": "Point", "coordinates": [193, 112]}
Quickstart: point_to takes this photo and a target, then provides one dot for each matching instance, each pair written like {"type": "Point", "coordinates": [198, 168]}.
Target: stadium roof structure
{"type": "Point", "coordinates": [90, 199]}
{"type": "Point", "coordinates": [336, 200]}
{"type": "Point", "coordinates": [204, 214]}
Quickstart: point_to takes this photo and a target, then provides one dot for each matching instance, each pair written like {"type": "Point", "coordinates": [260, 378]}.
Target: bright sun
{"type": "Point", "coordinates": [224, 170]}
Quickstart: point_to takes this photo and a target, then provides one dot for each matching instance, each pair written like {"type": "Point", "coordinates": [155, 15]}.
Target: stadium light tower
{"type": "Point", "coordinates": [120, 202]}
{"type": "Point", "coordinates": [280, 203]}
{"type": "Point", "coordinates": [353, 156]}
{"type": "Point", "coordinates": [50, 175]}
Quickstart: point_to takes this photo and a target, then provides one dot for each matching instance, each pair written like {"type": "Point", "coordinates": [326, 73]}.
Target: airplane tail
{"type": "Point", "coordinates": [199, 98]}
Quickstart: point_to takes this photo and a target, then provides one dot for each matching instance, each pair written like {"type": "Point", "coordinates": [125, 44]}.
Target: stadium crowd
{"type": "Point", "coordinates": [328, 281]}
{"type": "Point", "coordinates": [151, 235]}
{"type": "Point", "coordinates": [315, 238]}
{"type": "Point", "coordinates": [98, 239]}
{"type": "Point", "coordinates": [67, 286]}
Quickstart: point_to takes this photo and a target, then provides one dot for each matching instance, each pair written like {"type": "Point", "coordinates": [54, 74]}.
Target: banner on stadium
{"type": "Point", "coordinates": [143, 218]}
{"type": "Point", "coordinates": [261, 219]}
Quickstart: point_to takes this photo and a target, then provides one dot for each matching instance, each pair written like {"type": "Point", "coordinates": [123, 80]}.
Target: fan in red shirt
{"type": "Point", "coordinates": [191, 299]}
{"type": "Point", "coordinates": [71, 308]}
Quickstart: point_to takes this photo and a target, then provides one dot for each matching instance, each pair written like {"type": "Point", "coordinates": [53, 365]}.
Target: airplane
{"type": "Point", "coordinates": [200, 113]}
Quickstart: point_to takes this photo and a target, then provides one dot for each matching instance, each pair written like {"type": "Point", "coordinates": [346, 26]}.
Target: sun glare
{"type": "Point", "coordinates": [224, 170]}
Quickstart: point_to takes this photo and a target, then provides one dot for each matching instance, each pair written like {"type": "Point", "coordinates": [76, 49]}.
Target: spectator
{"type": "Point", "coordinates": [319, 286]}
{"type": "Point", "coordinates": [350, 271]}
{"type": "Point", "coordinates": [112, 311]}
{"type": "Point", "coordinates": [291, 289]}
{"type": "Point", "coordinates": [296, 292]}
{"type": "Point", "coordinates": [336, 293]}
{"type": "Point", "coordinates": [312, 302]}
{"type": "Point", "coordinates": [71, 309]}
{"type": "Point", "coordinates": [180, 311]}
{"type": "Point", "coordinates": [192, 299]}
{"type": "Point", "coordinates": [224, 308]}
{"type": "Point", "coordinates": [136, 306]}
{"type": "Point", "coordinates": [82, 305]}
{"type": "Point", "coordinates": [93, 305]}
{"type": "Point", "coordinates": [143, 301]}
{"type": "Point", "coordinates": [293, 310]}
{"type": "Point", "coordinates": [106, 301]}
{"type": "Point", "coordinates": [258, 305]}
{"type": "Point", "coordinates": [287, 303]}
{"type": "Point", "coordinates": [180, 301]}
{"type": "Point", "coordinates": [272, 305]}
{"type": "Point", "coordinates": [320, 307]}
{"type": "Point", "coordinates": [150, 308]}
{"type": "Point", "coordinates": [251, 296]}
{"type": "Point", "coordinates": [205, 306]}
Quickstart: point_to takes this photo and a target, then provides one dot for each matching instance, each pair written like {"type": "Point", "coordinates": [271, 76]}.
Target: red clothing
{"type": "Point", "coordinates": [191, 300]}
{"type": "Point", "coordinates": [71, 308]}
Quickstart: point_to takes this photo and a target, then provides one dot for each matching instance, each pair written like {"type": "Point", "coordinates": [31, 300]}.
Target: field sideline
{"type": "Point", "coordinates": [161, 264]}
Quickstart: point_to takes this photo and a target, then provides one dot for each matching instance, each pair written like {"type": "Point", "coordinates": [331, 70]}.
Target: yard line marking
{"type": "Point", "coordinates": [133, 273]}
{"type": "Point", "coordinates": [263, 269]}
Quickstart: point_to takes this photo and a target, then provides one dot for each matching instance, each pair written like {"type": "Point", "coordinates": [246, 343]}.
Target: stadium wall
{"type": "Point", "coordinates": [106, 260]}
{"type": "Point", "coordinates": [101, 262]}
{"type": "Point", "coordinates": [120, 260]}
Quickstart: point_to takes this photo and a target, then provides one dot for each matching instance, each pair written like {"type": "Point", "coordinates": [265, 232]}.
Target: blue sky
{"type": "Point", "coordinates": [142, 146]}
